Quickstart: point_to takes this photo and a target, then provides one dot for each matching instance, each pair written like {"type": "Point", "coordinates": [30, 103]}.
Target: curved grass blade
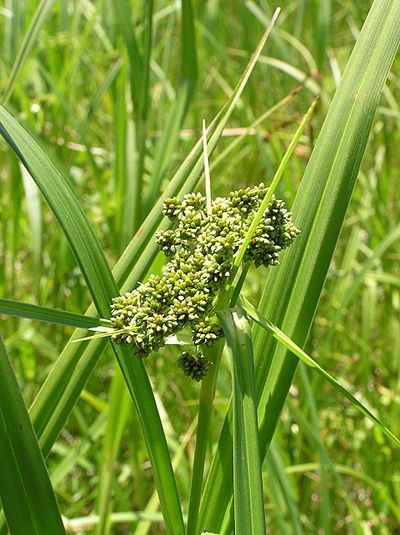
{"type": "Point", "coordinates": [64, 204]}
{"type": "Point", "coordinates": [247, 475]}
{"type": "Point", "coordinates": [222, 156]}
{"type": "Point", "coordinates": [26, 493]}
{"type": "Point", "coordinates": [120, 407]}
{"type": "Point", "coordinates": [282, 338]}
{"type": "Point", "coordinates": [102, 287]}
{"type": "Point", "coordinates": [292, 290]}
{"type": "Point", "coordinates": [152, 505]}
{"type": "Point", "coordinates": [49, 315]}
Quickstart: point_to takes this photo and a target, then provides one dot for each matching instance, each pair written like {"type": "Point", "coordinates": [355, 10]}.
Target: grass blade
{"type": "Point", "coordinates": [49, 315]}
{"type": "Point", "coordinates": [323, 26]}
{"type": "Point", "coordinates": [303, 356]}
{"type": "Point", "coordinates": [287, 514]}
{"type": "Point", "coordinates": [28, 43]}
{"type": "Point", "coordinates": [26, 493]}
{"type": "Point", "coordinates": [135, 57]}
{"type": "Point", "coordinates": [275, 181]}
{"type": "Point", "coordinates": [292, 292]}
{"type": "Point", "coordinates": [63, 202]}
{"type": "Point", "coordinates": [247, 481]}
{"type": "Point", "coordinates": [102, 287]}
{"type": "Point", "coordinates": [139, 68]}
{"type": "Point", "coordinates": [120, 406]}
{"type": "Point", "coordinates": [181, 103]}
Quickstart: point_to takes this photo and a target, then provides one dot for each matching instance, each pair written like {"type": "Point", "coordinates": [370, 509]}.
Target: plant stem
{"type": "Point", "coordinates": [207, 393]}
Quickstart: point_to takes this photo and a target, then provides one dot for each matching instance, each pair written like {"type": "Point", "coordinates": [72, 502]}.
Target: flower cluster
{"type": "Point", "coordinates": [194, 365]}
{"type": "Point", "coordinates": [200, 249]}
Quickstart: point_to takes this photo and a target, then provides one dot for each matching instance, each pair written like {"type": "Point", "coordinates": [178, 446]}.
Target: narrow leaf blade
{"type": "Point", "coordinates": [283, 339]}
{"type": "Point", "coordinates": [26, 493]}
{"type": "Point", "coordinates": [49, 315]}
{"type": "Point", "coordinates": [247, 480]}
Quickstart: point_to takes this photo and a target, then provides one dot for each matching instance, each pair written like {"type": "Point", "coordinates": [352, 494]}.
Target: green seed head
{"type": "Point", "coordinates": [200, 249]}
{"type": "Point", "coordinates": [194, 365]}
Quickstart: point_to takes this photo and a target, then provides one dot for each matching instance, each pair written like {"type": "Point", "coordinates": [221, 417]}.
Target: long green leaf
{"type": "Point", "coordinates": [49, 315]}
{"type": "Point", "coordinates": [292, 290]}
{"type": "Point", "coordinates": [247, 481]}
{"type": "Point", "coordinates": [281, 492]}
{"type": "Point", "coordinates": [120, 407]}
{"type": "Point", "coordinates": [26, 493]}
{"type": "Point", "coordinates": [255, 315]}
{"type": "Point", "coordinates": [135, 57]}
{"type": "Point", "coordinates": [275, 181]}
{"type": "Point", "coordinates": [64, 204]}
{"type": "Point", "coordinates": [102, 287]}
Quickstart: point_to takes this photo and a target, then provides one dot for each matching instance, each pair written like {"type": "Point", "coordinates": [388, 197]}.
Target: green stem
{"type": "Point", "coordinates": [207, 394]}
{"type": "Point", "coordinates": [227, 298]}
{"type": "Point", "coordinates": [141, 133]}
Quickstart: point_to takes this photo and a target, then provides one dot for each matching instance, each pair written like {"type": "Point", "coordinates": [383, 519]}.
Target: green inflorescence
{"type": "Point", "coordinates": [200, 250]}
{"type": "Point", "coordinates": [194, 365]}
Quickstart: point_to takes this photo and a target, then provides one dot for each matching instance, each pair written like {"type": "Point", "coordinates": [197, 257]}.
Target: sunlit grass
{"type": "Point", "coordinates": [118, 111]}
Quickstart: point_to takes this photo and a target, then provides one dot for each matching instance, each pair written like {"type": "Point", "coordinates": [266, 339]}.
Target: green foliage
{"type": "Point", "coordinates": [25, 489]}
{"type": "Point", "coordinates": [247, 474]}
{"type": "Point", "coordinates": [105, 101]}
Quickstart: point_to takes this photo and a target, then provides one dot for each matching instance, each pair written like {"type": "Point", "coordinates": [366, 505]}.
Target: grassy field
{"type": "Point", "coordinates": [114, 94]}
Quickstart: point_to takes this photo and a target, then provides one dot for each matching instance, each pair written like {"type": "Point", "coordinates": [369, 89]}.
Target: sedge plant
{"type": "Point", "coordinates": [194, 302]}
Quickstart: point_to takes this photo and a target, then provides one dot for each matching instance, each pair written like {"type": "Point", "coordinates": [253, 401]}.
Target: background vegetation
{"type": "Point", "coordinates": [70, 84]}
